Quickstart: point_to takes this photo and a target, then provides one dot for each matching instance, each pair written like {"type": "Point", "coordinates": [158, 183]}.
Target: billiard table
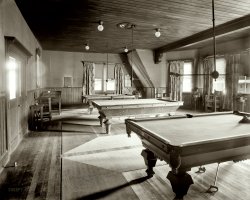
{"type": "Point", "coordinates": [192, 140]}
{"type": "Point", "coordinates": [133, 107]}
{"type": "Point", "coordinates": [89, 98]}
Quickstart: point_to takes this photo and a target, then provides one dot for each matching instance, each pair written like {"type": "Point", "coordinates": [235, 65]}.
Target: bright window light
{"type": "Point", "coordinates": [220, 83]}
{"type": "Point", "coordinates": [187, 78]}
{"type": "Point", "coordinates": [12, 77]}
{"type": "Point", "coordinates": [111, 85]}
{"type": "Point", "coordinates": [98, 84]}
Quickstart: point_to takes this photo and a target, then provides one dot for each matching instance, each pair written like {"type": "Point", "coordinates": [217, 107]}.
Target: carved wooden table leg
{"type": "Point", "coordinates": [128, 130]}
{"type": "Point", "coordinates": [91, 107]}
{"type": "Point", "coordinates": [101, 119]}
{"type": "Point", "coordinates": [107, 125]}
{"type": "Point", "coordinates": [150, 160]}
{"type": "Point", "coordinates": [179, 179]}
{"type": "Point", "coordinates": [180, 183]}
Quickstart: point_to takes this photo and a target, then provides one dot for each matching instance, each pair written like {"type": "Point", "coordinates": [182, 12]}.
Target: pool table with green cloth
{"type": "Point", "coordinates": [133, 107]}
{"type": "Point", "coordinates": [89, 98]}
{"type": "Point", "coordinates": [185, 142]}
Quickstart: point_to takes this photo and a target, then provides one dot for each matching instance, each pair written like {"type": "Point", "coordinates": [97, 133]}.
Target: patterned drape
{"type": "Point", "coordinates": [119, 79]}
{"type": "Point", "coordinates": [175, 80]}
{"type": "Point", "coordinates": [208, 67]}
{"type": "Point", "coordinates": [232, 78]}
{"type": "Point", "coordinates": [200, 70]}
{"type": "Point", "coordinates": [88, 84]}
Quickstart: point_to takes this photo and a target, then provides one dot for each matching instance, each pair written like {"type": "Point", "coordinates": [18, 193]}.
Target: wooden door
{"type": "Point", "coordinates": [16, 61]}
{"type": "Point", "coordinates": [13, 100]}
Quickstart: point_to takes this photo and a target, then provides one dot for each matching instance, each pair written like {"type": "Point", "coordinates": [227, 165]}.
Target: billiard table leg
{"type": "Point", "coordinates": [150, 161]}
{"type": "Point", "coordinates": [108, 126]}
{"type": "Point", "coordinates": [180, 183]}
{"type": "Point", "coordinates": [101, 120]}
{"type": "Point", "coordinates": [91, 108]}
{"type": "Point", "coordinates": [128, 130]}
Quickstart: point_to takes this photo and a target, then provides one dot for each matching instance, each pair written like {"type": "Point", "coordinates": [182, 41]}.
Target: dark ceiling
{"type": "Point", "coordinates": [67, 25]}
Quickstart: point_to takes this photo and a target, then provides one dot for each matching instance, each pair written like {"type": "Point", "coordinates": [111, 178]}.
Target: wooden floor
{"type": "Point", "coordinates": [75, 159]}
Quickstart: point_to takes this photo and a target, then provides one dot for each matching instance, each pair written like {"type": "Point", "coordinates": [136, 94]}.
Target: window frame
{"type": "Point", "coordinates": [191, 75]}
{"type": "Point", "coordinates": [220, 76]}
{"type": "Point", "coordinates": [104, 85]}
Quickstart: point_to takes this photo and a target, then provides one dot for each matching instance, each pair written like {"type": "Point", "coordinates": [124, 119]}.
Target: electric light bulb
{"type": "Point", "coordinates": [157, 33]}
{"type": "Point", "coordinates": [100, 27]}
{"type": "Point", "coordinates": [87, 47]}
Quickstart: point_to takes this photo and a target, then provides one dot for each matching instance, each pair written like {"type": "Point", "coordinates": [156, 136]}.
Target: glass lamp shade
{"type": "Point", "coordinates": [157, 33]}
{"type": "Point", "coordinates": [87, 47]}
{"type": "Point", "coordinates": [100, 27]}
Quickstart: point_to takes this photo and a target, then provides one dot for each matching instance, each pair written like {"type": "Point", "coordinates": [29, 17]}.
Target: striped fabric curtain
{"type": "Point", "coordinates": [200, 70]}
{"type": "Point", "coordinates": [119, 79]}
{"type": "Point", "coordinates": [232, 79]}
{"type": "Point", "coordinates": [88, 85]}
{"type": "Point", "coordinates": [208, 68]}
{"type": "Point", "coordinates": [175, 80]}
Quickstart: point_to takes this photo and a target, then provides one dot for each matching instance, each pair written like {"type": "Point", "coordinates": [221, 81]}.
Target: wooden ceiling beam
{"type": "Point", "coordinates": [223, 29]}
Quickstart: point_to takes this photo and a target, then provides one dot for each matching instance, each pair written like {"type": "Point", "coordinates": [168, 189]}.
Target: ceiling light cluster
{"type": "Point", "coordinates": [123, 25]}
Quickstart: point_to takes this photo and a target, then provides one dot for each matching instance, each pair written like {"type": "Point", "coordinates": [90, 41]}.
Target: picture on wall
{"type": "Point", "coordinates": [67, 81]}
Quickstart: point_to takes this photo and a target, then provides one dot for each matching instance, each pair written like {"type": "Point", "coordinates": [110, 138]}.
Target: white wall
{"type": "Point", "coordinates": [156, 72]}
{"type": "Point", "coordinates": [13, 24]}
{"type": "Point", "coordinates": [59, 64]}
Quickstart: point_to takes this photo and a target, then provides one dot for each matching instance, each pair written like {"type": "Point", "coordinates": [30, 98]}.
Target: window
{"type": "Point", "coordinates": [187, 76]}
{"type": "Point", "coordinates": [98, 84]}
{"type": "Point", "coordinates": [220, 83]}
{"type": "Point", "coordinates": [111, 85]}
{"type": "Point", "coordinates": [127, 81]}
{"type": "Point", "coordinates": [12, 77]}
{"type": "Point", "coordinates": [104, 78]}
{"type": "Point", "coordinates": [244, 85]}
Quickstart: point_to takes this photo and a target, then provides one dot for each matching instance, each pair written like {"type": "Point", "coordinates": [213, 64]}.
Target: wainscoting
{"type": "Point", "coordinates": [3, 133]}
{"type": "Point", "coordinates": [187, 98]}
{"type": "Point", "coordinates": [70, 95]}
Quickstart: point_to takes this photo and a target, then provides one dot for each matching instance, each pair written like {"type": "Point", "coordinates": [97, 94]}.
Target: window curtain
{"type": "Point", "coordinates": [119, 79]}
{"type": "Point", "coordinates": [200, 70]}
{"type": "Point", "coordinates": [88, 85]}
{"type": "Point", "coordinates": [232, 79]}
{"type": "Point", "coordinates": [208, 68]}
{"type": "Point", "coordinates": [175, 80]}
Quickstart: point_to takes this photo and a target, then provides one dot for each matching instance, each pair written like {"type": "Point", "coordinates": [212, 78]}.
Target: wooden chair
{"type": "Point", "coordinates": [37, 116]}
{"type": "Point", "coordinates": [213, 102]}
{"type": "Point", "coordinates": [55, 100]}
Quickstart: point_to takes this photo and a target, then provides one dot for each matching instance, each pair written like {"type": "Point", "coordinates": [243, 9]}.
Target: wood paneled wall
{"type": "Point", "coordinates": [70, 95]}
{"type": "Point", "coordinates": [187, 98]}
{"type": "Point", "coordinates": [3, 139]}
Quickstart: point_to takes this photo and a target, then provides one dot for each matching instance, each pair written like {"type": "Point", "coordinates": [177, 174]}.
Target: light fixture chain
{"type": "Point", "coordinates": [214, 42]}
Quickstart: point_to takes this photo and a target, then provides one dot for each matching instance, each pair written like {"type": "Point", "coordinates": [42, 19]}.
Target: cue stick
{"type": "Point", "coordinates": [216, 175]}
{"type": "Point", "coordinates": [61, 164]}
{"type": "Point", "coordinates": [214, 188]}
